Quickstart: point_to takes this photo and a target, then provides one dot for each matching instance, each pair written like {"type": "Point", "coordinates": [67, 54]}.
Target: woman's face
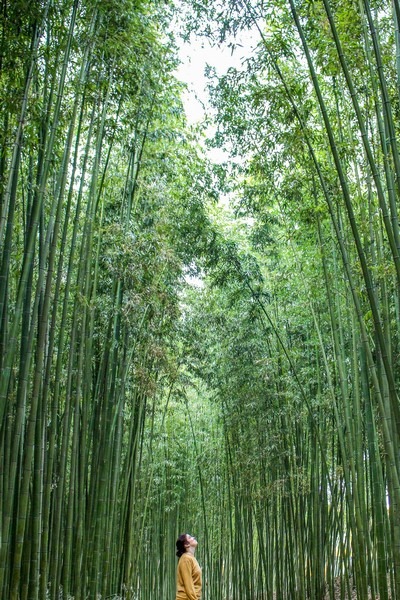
{"type": "Point", "coordinates": [191, 541]}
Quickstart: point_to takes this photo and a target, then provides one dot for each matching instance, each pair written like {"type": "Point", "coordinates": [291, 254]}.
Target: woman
{"type": "Point", "coordinates": [188, 574]}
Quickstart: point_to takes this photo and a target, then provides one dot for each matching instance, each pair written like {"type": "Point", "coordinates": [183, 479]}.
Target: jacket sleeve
{"type": "Point", "coordinates": [185, 567]}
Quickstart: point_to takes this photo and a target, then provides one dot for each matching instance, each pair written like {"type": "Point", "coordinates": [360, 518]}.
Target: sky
{"type": "Point", "coordinates": [195, 56]}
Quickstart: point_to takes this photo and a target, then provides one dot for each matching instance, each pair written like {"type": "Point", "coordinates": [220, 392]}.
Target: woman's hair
{"type": "Point", "coordinates": [180, 545]}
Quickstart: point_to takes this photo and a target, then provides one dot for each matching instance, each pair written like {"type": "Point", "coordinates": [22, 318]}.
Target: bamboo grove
{"type": "Point", "coordinates": [90, 124]}
{"type": "Point", "coordinates": [168, 363]}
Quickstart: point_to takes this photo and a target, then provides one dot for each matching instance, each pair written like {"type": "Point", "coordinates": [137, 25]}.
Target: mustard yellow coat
{"type": "Point", "coordinates": [188, 578]}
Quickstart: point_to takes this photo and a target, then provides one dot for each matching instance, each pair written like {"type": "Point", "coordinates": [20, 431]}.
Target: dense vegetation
{"type": "Point", "coordinates": [173, 363]}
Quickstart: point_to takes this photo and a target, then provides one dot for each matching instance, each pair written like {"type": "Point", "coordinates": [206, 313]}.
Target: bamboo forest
{"type": "Point", "coordinates": [200, 318]}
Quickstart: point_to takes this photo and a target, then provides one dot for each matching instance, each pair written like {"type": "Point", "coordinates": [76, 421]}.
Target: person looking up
{"type": "Point", "coordinates": [188, 573]}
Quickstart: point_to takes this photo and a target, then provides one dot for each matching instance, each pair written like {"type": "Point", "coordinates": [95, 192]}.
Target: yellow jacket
{"type": "Point", "coordinates": [188, 578]}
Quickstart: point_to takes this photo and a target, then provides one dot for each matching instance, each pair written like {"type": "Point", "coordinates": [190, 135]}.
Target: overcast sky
{"type": "Point", "coordinates": [195, 56]}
